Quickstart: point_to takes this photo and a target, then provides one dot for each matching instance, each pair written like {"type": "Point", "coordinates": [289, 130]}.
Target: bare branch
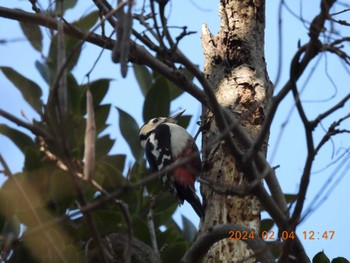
{"type": "Point", "coordinates": [158, 36]}
{"type": "Point", "coordinates": [331, 132]}
{"type": "Point", "coordinates": [280, 45]}
{"type": "Point", "coordinates": [311, 50]}
{"type": "Point", "coordinates": [34, 6]}
{"type": "Point", "coordinates": [31, 127]}
{"type": "Point", "coordinates": [151, 229]}
{"type": "Point", "coordinates": [124, 208]}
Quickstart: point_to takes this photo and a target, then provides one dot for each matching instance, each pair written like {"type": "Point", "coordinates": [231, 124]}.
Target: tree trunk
{"type": "Point", "coordinates": [235, 67]}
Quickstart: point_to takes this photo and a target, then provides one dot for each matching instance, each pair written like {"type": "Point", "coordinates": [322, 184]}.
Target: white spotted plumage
{"type": "Point", "coordinates": [165, 142]}
{"type": "Point", "coordinates": [179, 139]}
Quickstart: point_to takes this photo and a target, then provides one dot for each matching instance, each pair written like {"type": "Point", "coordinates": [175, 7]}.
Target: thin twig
{"type": "Point", "coordinates": [34, 7]}
{"type": "Point", "coordinates": [31, 127]}
{"type": "Point", "coordinates": [151, 228]}
{"type": "Point", "coordinates": [325, 114]}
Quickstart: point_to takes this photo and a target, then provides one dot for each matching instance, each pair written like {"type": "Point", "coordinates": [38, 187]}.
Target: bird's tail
{"type": "Point", "coordinates": [190, 196]}
{"type": "Point", "coordinates": [196, 204]}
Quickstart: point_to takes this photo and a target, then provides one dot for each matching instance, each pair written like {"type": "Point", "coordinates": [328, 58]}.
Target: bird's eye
{"type": "Point", "coordinates": [155, 120]}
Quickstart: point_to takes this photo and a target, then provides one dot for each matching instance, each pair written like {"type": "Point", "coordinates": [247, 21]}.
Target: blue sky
{"type": "Point", "coordinates": [289, 152]}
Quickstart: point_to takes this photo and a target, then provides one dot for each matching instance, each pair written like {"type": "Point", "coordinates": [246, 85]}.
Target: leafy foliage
{"type": "Point", "coordinates": [130, 132]}
{"type": "Point", "coordinates": [157, 101]}
{"type": "Point", "coordinates": [321, 257]}
{"type": "Point", "coordinates": [22, 140]}
{"type": "Point", "coordinates": [33, 34]}
{"type": "Point", "coordinates": [48, 184]}
{"type": "Point", "coordinates": [30, 91]}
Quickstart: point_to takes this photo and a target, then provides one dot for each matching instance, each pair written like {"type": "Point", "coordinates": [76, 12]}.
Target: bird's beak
{"type": "Point", "coordinates": [176, 117]}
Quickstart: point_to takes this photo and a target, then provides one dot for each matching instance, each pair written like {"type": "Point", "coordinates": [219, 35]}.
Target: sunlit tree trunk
{"type": "Point", "coordinates": [235, 67]}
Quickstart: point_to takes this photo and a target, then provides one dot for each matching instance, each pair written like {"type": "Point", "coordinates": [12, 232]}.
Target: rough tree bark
{"type": "Point", "coordinates": [235, 67]}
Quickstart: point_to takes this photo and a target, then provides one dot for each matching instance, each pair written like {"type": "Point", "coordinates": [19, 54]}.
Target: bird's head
{"type": "Point", "coordinates": [147, 129]}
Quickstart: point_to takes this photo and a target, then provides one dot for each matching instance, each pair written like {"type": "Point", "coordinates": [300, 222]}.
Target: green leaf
{"type": "Point", "coordinates": [109, 171]}
{"type": "Point", "coordinates": [143, 77]}
{"type": "Point", "coordinates": [184, 121]}
{"type": "Point", "coordinates": [75, 124]}
{"type": "Point", "coordinates": [98, 89]}
{"type": "Point", "coordinates": [108, 221]}
{"type": "Point", "coordinates": [164, 208]}
{"type": "Point", "coordinates": [138, 171]}
{"type": "Point", "coordinates": [30, 91]}
{"type": "Point", "coordinates": [73, 95]}
{"type": "Point", "coordinates": [44, 71]}
{"type": "Point", "coordinates": [189, 230]}
{"type": "Point", "coordinates": [174, 252]}
{"type": "Point", "coordinates": [88, 21]}
{"type": "Point", "coordinates": [155, 187]}
{"type": "Point", "coordinates": [130, 131]}
{"type": "Point", "coordinates": [275, 247]}
{"type": "Point", "coordinates": [187, 73]}
{"type": "Point", "coordinates": [73, 50]}
{"type": "Point", "coordinates": [33, 34]}
{"type": "Point", "coordinates": [61, 190]}
{"type": "Point", "coordinates": [320, 257]}
{"type": "Point", "coordinates": [168, 236]}
{"type": "Point", "coordinates": [340, 260]}
{"type": "Point", "coordinates": [290, 198]}
{"type": "Point", "coordinates": [67, 4]}
{"type": "Point", "coordinates": [174, 90]}
{"type": "Point", "coordinates": [101, 116]}
{"type": "Point", "coordinates": [141, 230]}
{"type": "Point", "coordinates": [174, 225]}
{"type": "Point", "coordinates": [157, 101]}
{"type": "Point", "coordinates": [103, 145]}
{"type": "Point", "coordinates": [8, 199]}
{"type": "Point", "coordinates": [33, 159]}
{"type": "Point", "coordinates": [133, 199]}
{"type": "Point", "coordinates": [22, 141]}
{"type": "Point", "coordinates": [115, 160]}
{"type": "Point", "coordinates": [266, 225]}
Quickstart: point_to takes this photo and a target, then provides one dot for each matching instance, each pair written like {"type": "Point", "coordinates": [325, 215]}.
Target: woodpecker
{"type": "Point", "coordinates": [165, 142]}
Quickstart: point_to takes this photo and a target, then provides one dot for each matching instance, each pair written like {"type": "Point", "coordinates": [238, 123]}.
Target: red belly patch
{"type": "Point", "coordinates": [184, 177]}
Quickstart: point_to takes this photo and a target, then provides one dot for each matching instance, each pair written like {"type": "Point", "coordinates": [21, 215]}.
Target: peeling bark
{"type": "Point", "coordinates": [235, 67]}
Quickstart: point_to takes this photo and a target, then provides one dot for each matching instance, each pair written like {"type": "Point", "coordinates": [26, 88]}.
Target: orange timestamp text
{"type": "Point", "coordinates": [271, 235]}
